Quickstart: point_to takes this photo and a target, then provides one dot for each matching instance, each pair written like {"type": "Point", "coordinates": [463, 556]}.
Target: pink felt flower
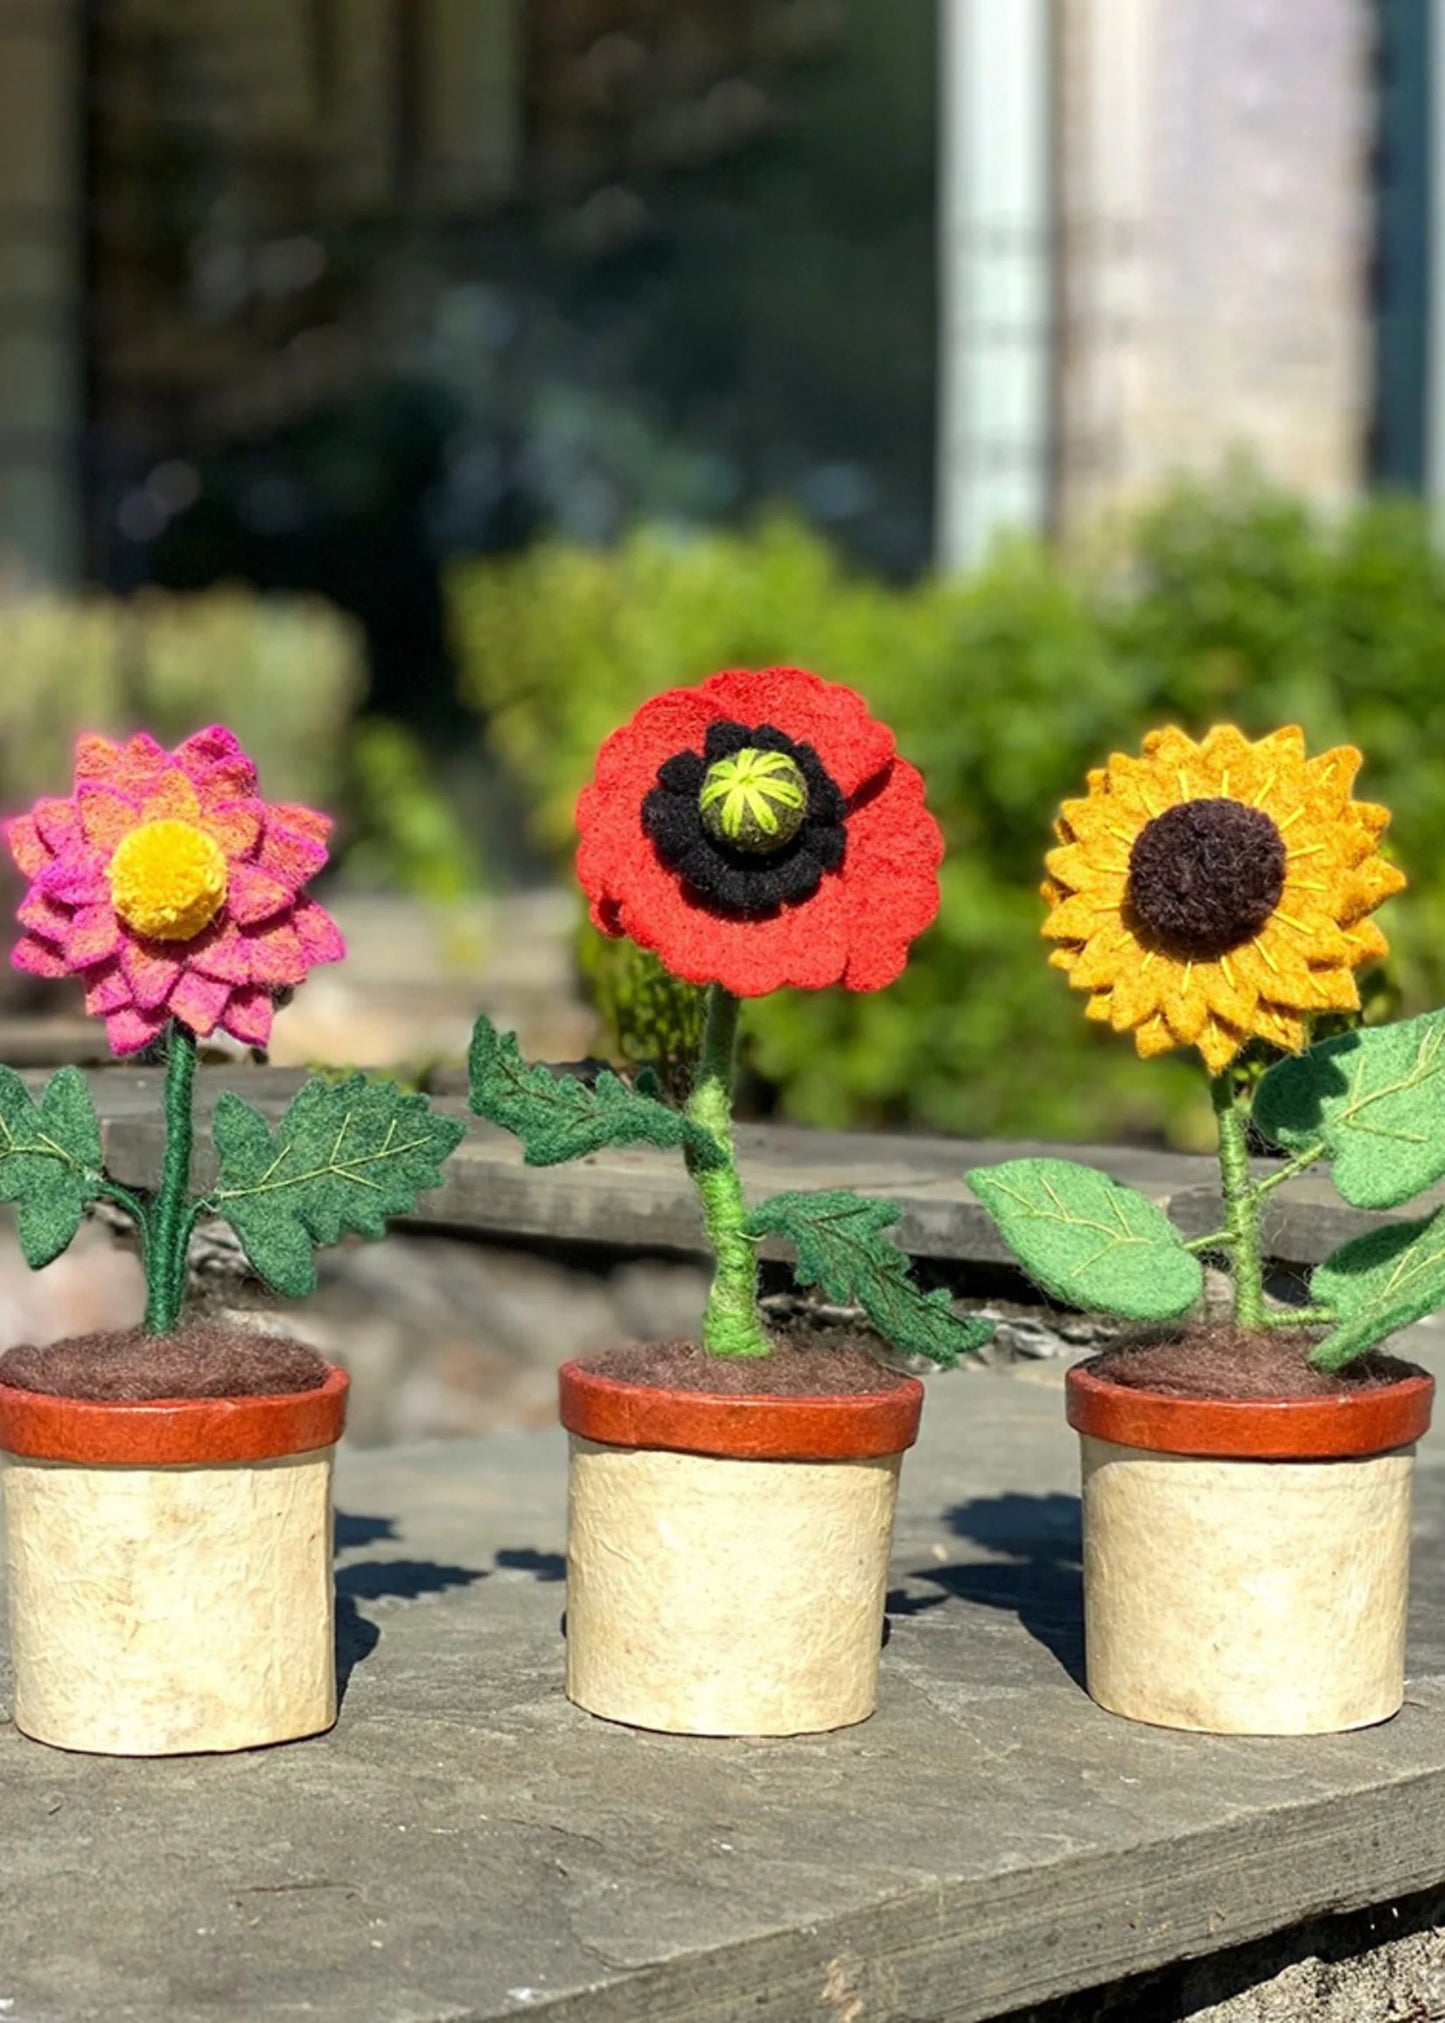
{"type": "Point", "coordinates": [172, 889]}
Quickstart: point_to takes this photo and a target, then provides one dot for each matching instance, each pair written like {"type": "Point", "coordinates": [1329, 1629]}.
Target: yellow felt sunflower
{"type": "Point", "coordinates": [1208, 894]}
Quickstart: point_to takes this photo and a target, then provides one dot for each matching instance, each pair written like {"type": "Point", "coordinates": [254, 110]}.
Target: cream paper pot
{"type": "Point", "coordinates": [168, 1569]}
{"type": "Point", "coordinates": [727, 1557]}
{"type": "Point", "coordinates": [1246, 1563]}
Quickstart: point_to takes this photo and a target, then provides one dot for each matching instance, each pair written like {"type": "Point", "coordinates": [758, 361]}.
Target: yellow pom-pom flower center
{"type": "Point", "coordinates": [168, 880]}
{"type": "Point", "coordinates": [754, 800]}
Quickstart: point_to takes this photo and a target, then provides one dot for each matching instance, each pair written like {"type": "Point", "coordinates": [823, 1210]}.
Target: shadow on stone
{"type": "Point", "coordinates": [357, 1529]}
{"type": "Point", "coordinates": [402, 1579]}
{"type": "Point", "coordinates": [1036, 1574]}
{"type": "Point", "coordinates": [543, 1566]}
{"type": "Point", "coordinates": [356, 1638]}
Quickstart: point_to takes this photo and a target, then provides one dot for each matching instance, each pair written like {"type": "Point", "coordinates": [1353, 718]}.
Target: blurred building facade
{"type": "Point", "coordinates": [318, 294]}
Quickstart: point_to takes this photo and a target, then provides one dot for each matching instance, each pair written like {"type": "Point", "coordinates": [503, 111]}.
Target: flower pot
{"type": "Point", "coordinates": [727, 1557]}
{"type": "Point", "coordinates": [1246, 1561]}
{"type": "Point", "coordinates": [169, 1569]}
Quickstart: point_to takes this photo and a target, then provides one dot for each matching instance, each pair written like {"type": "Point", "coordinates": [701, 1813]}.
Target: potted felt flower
{"type": "Point", "coordinates": [732, 1498]}
{"type": "Point", "coordinates": [168, 1488]}
{"type": "Point", "coordinates": [1246, 1475]}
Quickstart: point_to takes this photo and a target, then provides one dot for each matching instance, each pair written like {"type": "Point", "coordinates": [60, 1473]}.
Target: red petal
{"type": "Point", "coordinates": [236, 825]}
{"type": "Point", "coordinates": [44, 916]}
{"type": "Point", "coordinates": [318, 933]}
{"type": "Point", "coordinates": [77, 879]}
{"type": "Point", "coordinates": [289, 855]}
{"type": "Point", "coordinates": [213, 746]}
{"type": "Point", "coordinates": [95, 757]}
{"type": "Point", "coordinates": [890, 875]}
{"type": "Point", "coordinates": [275, 955]}
{"type": "Point", "coordinates": [675, 721]}
{"type": "Point", "coordinates": [834, 720]}
{"type": "Point", "coordinates": [58, 824]}
{"type": "Point", "coordinates": [105, 815]}
{"type": "Point", "coordinates": [305, 821]}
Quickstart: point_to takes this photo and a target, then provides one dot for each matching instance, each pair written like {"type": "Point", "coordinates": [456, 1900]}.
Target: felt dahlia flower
{"type": "Point", "coordinates": [171, 889]}
{"type": "Point", "coordinates": [1208, 894]}
{"type": "Point", "coordinates": [759, 832]}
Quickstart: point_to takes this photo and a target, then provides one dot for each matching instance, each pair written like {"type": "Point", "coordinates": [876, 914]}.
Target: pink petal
{"type": "Point", "coordinates": [288, 855]}
{"type": "Point", "coordinates": [150, 972]}
{"type": "Point", "coordinates": [172, 798]}
{"type": "Point", "coordinates": [137, 767]}
{"type": "Point", "coordinates": [106, 991]}
{"type": "Point", "coordinates": [78, 878]}
{"type": "Point", "coordinates": [95, 757]}
{"type": "Point", "coordinates": [26, 847]}
{"type": "Point", "coordinates": [254, 895]}
{"type": "Point", "coordinates": [38, 958]}
{"type": "Point", "coordinates": [305, 821]}
{"type": "Point", "coordinates": [276, 954]}
{"type": "Point", "coordinates": [236, 825]}
{"type": "Point", "coordinates": [232, 780]}
{"type": "Point", "coordinates": [198, 1002]}
{"type": "Point", "coordinates": [209, 747]}
{"type": "Point", "coordinates": [128, 1029]}
{"type": "Point", "coordinates": [94, 937]}
{"type": "Point", "coordinates": [44, 916]}
{"type": "Point", "coordinates": [318, 933]}
{"type": "Point", "coordinates": [105, 815]}
{"type": "Point", "coordinates": [57, 822]}
{"type": "Point", "coordinates": [222, 952]}
{"type": "Point", "coordinates": [248, 1017]}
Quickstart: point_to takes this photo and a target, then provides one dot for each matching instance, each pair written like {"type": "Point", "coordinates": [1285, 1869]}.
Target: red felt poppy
{"type": "Point", "coordinates": [837, 900]}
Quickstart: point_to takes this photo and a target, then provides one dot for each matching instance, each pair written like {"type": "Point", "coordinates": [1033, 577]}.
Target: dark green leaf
{"type": "Point", "coordinates": [346, 1156]}
{"type": "Point", "coordinates": [559, 1118]}
{"type": "Point", "coordinates": [1088, 1240]}
{"type": "Point", "coordinates": [50, 1160]}
{"type": "Point", "coordinates": [1379, 1282]}
{"type": "Point", "coordinates": [840, 1245]}
{"type": "Point", "coordinates": [1374, 1099]}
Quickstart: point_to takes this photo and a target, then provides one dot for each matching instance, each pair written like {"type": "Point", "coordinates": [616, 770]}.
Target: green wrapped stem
{"type": "Point", "coordinates": [170, 1221]}
{"type": "Point", "coordinates": [1241, 1203]}
{"type": "Point", "coordinates": [731, 1325]}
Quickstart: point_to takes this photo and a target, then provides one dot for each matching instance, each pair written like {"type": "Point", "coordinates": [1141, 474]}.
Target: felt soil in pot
{"type": "Point", "coordinates": [168, 1488]}
{"type": "Point", "coordinates": [731, 1500]}
{"type": "Point", "coordinates": [1246, 1476]}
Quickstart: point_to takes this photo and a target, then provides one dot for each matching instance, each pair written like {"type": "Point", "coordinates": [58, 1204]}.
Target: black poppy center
{"type": "Point", "coordinates": [1205, 876]}
{"type": "Point", "coordinates": [752, 823]}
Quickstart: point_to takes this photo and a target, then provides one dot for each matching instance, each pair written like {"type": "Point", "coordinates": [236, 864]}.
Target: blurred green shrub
{"type": "Point", "coordinates": [1005, 686]}
{"type": "Point", "coordinates": [285, 673]}
{"type": "Point", "coordinates": [410, 837]}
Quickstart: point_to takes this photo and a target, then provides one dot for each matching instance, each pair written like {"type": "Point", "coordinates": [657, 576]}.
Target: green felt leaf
{"type": "Point", "coordinates": [50, 1160]}
{"type": "Point", "coordinates": [345, 1156]}
{"type": "Point", "coordinates": [1374, 1099]}
{"type": "Point", "coordinates": [559, 1117]}
{"type": "Point", "coordinates": [1089, 1240]}
{"type": "Point", "coordinates": [840, 1245]}
{"type": "Point", "coordinates": [1377, 1283]}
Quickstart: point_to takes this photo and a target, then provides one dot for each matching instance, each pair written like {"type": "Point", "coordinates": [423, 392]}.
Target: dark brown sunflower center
{"type": "Point", "coordinates": [1205, 876]}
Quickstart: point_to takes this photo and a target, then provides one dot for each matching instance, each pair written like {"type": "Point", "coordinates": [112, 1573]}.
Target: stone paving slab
{"type": "Point", "coordinates": [466, 1845]}
{"type": "Point", "coordinates": [638, 1199]}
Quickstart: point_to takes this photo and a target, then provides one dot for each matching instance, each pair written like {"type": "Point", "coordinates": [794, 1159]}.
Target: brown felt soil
{"type": "Point", "coordinates": [833, 1364]}
{"type": "Point", "coordinates": [1228, 1362]}
{"type": "Point", "coordinates": [205, 1359]}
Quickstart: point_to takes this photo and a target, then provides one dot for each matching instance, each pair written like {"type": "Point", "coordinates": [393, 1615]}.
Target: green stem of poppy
{"type": "Point", "coordinates": [731, 1325]}
{"type": "Point", "coordinates": [1241, 1203]}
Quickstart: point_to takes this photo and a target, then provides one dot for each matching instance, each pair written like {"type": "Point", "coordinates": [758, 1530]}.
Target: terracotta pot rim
{"type": "Point", "coordinates": [839, 1426]}
{"type": "Point", "coordinates": [1372, 1421]}
{"type": "Point", "coordinates": [172, 1432]}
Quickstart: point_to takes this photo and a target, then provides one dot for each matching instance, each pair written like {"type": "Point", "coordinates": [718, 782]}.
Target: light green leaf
{"type": "Point", "coordinates": [1374, 1099]}
{"type": "Point", "coordinates": [346, 1156]}
{"type": "Point", "coordinates": [1377, 1283]}
{"type": "Point", "coordinates": [50, 1160]}
{"type": "Point", "coordinates": [1088, 1240]}
{"type": "Point", "coordinates": [559, 1117]}
{"type": "Point", "coordinates": [839, 1242]}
